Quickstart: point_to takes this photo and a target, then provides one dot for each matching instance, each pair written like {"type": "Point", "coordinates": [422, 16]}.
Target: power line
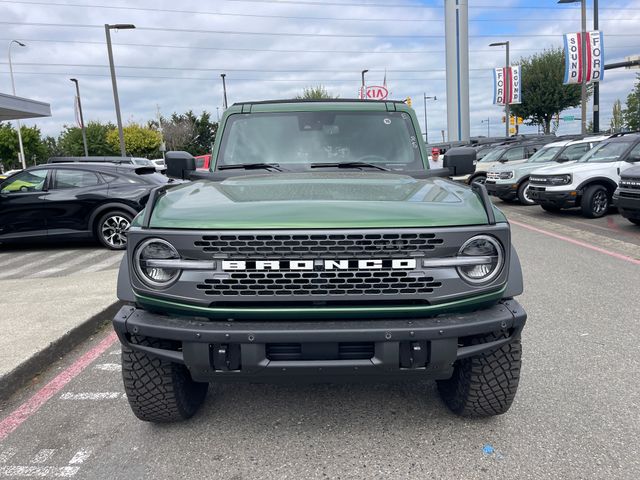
{"type": "Point", "coordinates": [298, 34]}
{"type": "Point", "coordinates": [287, 17]}
{"type": "Point", "coordinates": [247, 49]}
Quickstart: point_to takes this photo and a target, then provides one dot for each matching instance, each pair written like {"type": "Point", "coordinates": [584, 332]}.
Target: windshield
{"type": "Point", "coordinates": [493, 155]}
{"type": "Point", "coordinates": [544, 155]}
{"type": "Point", "coordinates": [295, 140]}
{"type": "Point", "coordinates": [606, 152]}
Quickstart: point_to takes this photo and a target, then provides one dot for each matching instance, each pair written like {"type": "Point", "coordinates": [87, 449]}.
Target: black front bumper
{"type": "Point", "coordinates": [323, 350]}
{"type": "Point", "coordinates": [557, 199]}
{"type": "Point", "coordinates": [628, 203]}
{"type": "Point", "coordinates": [508, 191]}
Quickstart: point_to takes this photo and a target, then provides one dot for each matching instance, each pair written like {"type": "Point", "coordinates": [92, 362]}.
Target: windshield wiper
{"type": "Point", "coordinates": [349, 165]}
{"type": "Point", "coordinates": [252, 166]}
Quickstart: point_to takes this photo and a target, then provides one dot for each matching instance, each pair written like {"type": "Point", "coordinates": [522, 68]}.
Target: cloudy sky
{"type": "Point", "coordinates": [275, 48]}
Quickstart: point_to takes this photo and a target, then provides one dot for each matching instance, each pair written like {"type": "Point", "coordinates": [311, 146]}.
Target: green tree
{"type": "Point", "coordinates": [139, 141]}
{"type": "Point", "coordinates": [315, 93]}
{"type": "Point", "coordinates": [617, 118]}
{"type": "Point", "coordinates": [543, 94]}
{"type": "Point", "coordinates": [35, 150]}
{"type": "Point", "coordinates": [632, 111]}
{"type": "Point", "coordinates": [70, 140]}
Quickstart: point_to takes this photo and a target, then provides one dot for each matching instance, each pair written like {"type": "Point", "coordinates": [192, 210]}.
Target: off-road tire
{"type": "Point", "coordinates": [592, 199]}
{"type": "Point", "coordinates": [481, 179]}
{"type": "Point", "coordinates": [159, 391]}
{"type": "Point", "coordinates": [484, 385]}
{"type": "Point", "coordinates": [550, 208]}
{"type": "Point", "coordinates": [521, 194]}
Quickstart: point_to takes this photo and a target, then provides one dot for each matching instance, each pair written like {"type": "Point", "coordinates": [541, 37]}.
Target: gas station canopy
{"type": "Point", "coordinates": [16, 108]}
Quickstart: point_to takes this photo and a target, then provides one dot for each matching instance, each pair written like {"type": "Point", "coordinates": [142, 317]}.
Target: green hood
{"type": "Point", "coordinates": [318, 200]}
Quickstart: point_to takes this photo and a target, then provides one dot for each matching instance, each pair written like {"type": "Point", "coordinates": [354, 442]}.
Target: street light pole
{"type": "Point", "coordinates": [584, 66]}
{"type": "Point", "coordinates": [363, 93]}
{"type": "Point", "coordinates": [488, 121]}
{"type": "Point", "coordinates": [507, 85]}
{"type": "Point", "coordinates": [107, 30]}
{"type": "Point", "coordinates": [224, 89]}
{"type": "Point", "coordinates": [84, 133]}
{"type": "Point", "coordinates": [13, 87]}
{"type": "Point", "coordinates": [426, 129]}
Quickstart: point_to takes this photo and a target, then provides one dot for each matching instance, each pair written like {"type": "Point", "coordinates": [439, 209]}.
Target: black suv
{"type": "Point", "coordinates": [627, 196]}
{"type": "Point", "coordinates": [75, 200]}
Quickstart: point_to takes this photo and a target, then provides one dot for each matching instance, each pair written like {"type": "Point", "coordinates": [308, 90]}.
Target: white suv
{"type": "Point", "coordinates": [588, 183]}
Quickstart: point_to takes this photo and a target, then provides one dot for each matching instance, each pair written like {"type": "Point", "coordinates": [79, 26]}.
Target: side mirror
{"type": "Point", "coordinates": [562, 159]}
{"type": "Point", "coordinates": [633, 159]}
{"type": "Point", "coordinates": [460, 161]}
{"type": "Point", "coordinates": [180, 165]}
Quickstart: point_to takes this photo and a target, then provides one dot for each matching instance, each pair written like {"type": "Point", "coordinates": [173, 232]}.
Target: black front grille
{"type": "Point", "coordinates": [321, 283]}
{"type": "Point", "coordinates": [320, 351]}
{"type": "Point", "coordinates": [317, 245]}
{"type": "Point", "coordinates": [631, 183]}
{"type": "Point", "coordinates": [629, 194]}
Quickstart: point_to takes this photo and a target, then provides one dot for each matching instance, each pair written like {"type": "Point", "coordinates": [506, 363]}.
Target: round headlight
{"type": "Point", "coordinates": [153, 275]}
{"type": "Point", "coordinates": [481, 246]}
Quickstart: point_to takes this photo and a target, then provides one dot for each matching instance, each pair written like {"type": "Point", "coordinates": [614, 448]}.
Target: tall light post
{"type": "Point", "coordinates": [426, 129]}
{"type": "Point", "coordinates": [507, 94]}
{"type": "Point", "coordinates": [107, 31]}
{"type": "Point", "coordinates": [13, 86]}
{"type": "Point", "coordinates": [363, 93]}
{"type": "Point", "coordinates": [488, 122]}
{"type": "Point", "coordinates": [224, 89]}
{"type": "Point", "coordinates": [84, 133]}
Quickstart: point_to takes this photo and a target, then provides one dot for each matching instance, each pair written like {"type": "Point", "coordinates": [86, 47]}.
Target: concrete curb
{"type": "Point", "coordinates": [12, 381]}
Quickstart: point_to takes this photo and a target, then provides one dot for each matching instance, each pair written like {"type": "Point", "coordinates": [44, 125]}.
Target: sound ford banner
{"type": "Point", "coordinates": [507, 81]}
{"type": "Point", "coordinates": [573, 57]}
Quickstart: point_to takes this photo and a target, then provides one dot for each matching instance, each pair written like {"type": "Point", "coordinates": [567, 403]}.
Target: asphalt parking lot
{"type": "Point", "coordinates": [577, 413]}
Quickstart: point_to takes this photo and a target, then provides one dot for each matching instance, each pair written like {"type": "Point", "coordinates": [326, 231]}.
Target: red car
{"type": "Point", "coordinates": [203, 162]}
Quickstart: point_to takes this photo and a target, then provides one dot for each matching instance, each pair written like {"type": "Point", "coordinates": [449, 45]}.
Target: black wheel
{"type": "Point", "coordinates": [481, 179]}
{"type": "Point", "coordinates": [595, 201]}
{"type": "Point", "coordinates": [550, 208]}
{"type": "Point", "coordinates": [523, 194]}
{"type": "Point", "coordinates": [111, 229]}
{"type": "Point", "coordinates": [484, 385]}
{"type": "Point", "coordinates": [158, 390]}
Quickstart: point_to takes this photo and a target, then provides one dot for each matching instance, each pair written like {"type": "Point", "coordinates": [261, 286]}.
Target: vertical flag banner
{"type": "Point", "coordinates": [516, 85]}
{"type": "Point", "coordinates": [498, 86]}
{"type": "Point", "coordinates": [573, 57]}
{"type": "Point", "coordinates": [502, 77]}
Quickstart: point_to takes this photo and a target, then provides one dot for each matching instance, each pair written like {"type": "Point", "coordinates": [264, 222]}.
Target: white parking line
{"type": "Point", "coordinates": [26, 266]}
{"type": "Point", "coordinates": [90, 396]}
{"type": "Point", "coordinates": [115, 352]}
{"type": "Point", "coordinates": [15, 257]}
{"type": "Point", "coordinates": [103, 265]}
{"type": "Point", "coordinates": [66, 265]}
{"type": "Point", "coordinates": [43, 455]}
{"type": "Point", "coordinates": [108, 367]}
{"type": "Point", "coordinates": [80, 456]}
{"type": "Point", "coordinates": [7, 453]}
{"type": "Point", "coordinates": [28, 471]}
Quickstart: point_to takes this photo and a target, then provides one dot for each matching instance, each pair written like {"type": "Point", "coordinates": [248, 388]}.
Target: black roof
{"type": "Point", "coordinates": [624, 137]}
{"type": "Point", "coordinates": [91, 159]}
{"type": "Point", "coordinates": [99, 166]}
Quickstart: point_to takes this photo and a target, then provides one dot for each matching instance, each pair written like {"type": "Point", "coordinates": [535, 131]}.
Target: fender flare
{"type": "Point", "coordinates": [611, 185]}
{"type": "Point", "coordinates": [124, 290]}
{"type": "Point", "coordinates": [515, 284]}
{"type": "Point", "coordinates": [109, 206]}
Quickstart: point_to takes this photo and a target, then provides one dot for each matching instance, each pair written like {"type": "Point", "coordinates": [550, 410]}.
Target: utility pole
{"type": "Point", "coordinates": [224, 89]}
{"type": "Point", "coordinates": [488, 122]}
{"type": "Point", "coordinates": [84, 133]}
{"type": "Point", "coordinates": [13, 87]}
{"type": "Point", "coordinates": [426, 129]}
{"type": "Point", "coordinates": [363, 92]}
{"type": "Point", "coordinates": [507, 83]}
{"type": "Point", "coordinates": [584, 67]}
{"type": "Point", "coordinates": [116, 100]}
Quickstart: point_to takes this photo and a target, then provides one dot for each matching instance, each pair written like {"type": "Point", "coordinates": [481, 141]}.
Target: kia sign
{"type": "Point", "coordinates": [375, 92]}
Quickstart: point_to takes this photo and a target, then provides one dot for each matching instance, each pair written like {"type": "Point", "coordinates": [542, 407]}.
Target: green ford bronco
{"type": "Point", "coordinates": [319, 248]}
